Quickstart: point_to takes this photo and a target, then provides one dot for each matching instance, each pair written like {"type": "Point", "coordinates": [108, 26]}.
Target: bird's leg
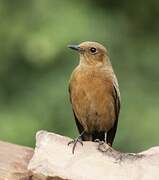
{"type": "Point", "coordinates": [75, 141]}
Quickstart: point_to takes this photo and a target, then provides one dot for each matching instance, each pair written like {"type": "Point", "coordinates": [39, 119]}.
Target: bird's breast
{"type": "Point", "coordinates": [92, 101]}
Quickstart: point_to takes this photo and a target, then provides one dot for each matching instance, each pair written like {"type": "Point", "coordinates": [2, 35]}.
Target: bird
{"type": "Point", "coordinates": [94, 95]}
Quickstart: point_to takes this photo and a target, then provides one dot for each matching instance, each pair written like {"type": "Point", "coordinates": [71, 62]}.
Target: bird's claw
{"type": "Point", "coordinates": [102, 146]}
{"type": "Point", "coordinates": [74, 142]}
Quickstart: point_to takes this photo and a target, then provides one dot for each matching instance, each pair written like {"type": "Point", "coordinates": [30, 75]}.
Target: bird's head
{"type": "Point", "coordinates": [91, 53]}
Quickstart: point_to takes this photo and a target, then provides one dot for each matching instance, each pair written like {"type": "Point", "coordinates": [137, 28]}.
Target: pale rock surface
{"type": "Point", "coordinates": [14, 160]}
{"type": "Point", "coordinates": [53, 159]}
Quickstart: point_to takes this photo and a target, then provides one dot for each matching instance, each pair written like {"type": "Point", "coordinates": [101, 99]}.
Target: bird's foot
{"type": "Point", "coordinates": [74, 142]}
{"type": "Point", "coordinates": [99, 141]}
{"type": "Point", "coordinates": [102, 146]}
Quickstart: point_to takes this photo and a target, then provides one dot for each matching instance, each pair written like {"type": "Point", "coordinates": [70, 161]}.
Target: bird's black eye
{"type": "Point", "coordinates": [93, 50]}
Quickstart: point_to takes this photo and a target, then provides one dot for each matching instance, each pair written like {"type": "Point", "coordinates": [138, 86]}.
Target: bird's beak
{"type": "Point", "coordinates": [75, 47]}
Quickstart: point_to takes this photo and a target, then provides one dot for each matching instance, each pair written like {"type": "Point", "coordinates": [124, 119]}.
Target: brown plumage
{"type": "Point", "coordinates": [94, 94]}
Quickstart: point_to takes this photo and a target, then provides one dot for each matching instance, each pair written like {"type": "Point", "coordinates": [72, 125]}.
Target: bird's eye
{"type": "Point", "coordinates": [93, 50]}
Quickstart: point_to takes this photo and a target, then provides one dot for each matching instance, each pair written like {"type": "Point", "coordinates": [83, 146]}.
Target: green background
{"type": "Point", "coordinates": [35, 65]}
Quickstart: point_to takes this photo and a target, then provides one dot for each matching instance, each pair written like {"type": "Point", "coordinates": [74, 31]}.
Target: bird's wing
{"type": "Point", "coordinates": [79, 126]}
{"type": "Point", "coordinates": [116, 86]}
{"type": "Point", "coordinates": [116, 96]}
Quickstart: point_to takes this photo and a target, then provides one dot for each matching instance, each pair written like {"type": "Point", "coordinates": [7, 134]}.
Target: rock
{"type": "Point", "coordinates": [14, 160]}
{"type": "Point", "coordinates": [53, 159]}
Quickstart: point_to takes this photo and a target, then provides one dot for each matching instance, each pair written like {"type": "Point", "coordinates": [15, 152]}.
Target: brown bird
{"type": "Point", "coordinates": [94, 94]}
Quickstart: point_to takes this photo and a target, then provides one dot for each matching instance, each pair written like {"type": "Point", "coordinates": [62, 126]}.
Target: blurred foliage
{"type": "Point", "coordinates": [35, 65]}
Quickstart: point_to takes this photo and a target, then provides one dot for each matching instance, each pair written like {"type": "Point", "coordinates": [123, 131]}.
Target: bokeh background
{"type": "Point", "coordinates": [35, 65]}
